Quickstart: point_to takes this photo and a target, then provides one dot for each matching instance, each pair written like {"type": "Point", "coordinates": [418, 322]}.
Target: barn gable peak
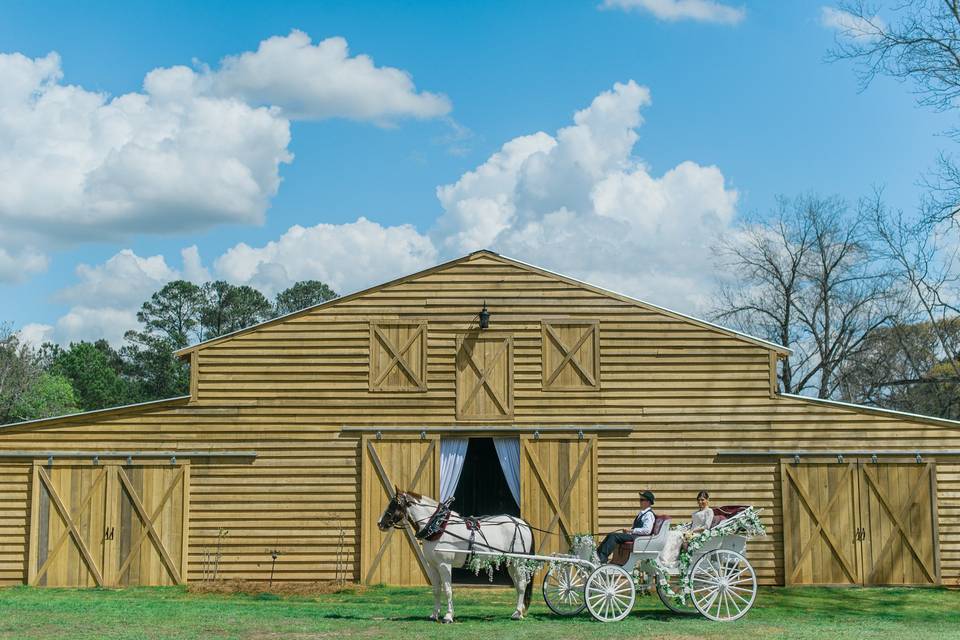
{"type": "Point", "coordinates": [488, 255]}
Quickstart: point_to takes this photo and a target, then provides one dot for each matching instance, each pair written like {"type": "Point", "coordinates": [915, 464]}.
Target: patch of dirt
{"type": "Point", "coordinates": [256, 588]}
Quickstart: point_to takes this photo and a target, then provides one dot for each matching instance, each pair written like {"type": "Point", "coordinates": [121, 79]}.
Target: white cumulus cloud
{"type": "Point", "coordinates": [345, 256]}
{"type": "Point", "coordinates": [313, 81]}
{"type": "Point", "coordinates": [17, 266]}
{"type": "Point", "coordinates": [578, 201]}
{"type": "Point", "coordinates": [77, 165]}
{"type": "Point", "coordinates": [849, 25]}
{"type": "Point", "coordinates": [191, 150]}
{"type": "Point", "coordinates": [675, 10]}
{"type": "Point", "coordinates": [107, 296]}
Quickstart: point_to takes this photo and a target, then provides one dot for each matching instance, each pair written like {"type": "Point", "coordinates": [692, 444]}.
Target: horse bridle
{"type": "Point", "coordinates": [403, 501]}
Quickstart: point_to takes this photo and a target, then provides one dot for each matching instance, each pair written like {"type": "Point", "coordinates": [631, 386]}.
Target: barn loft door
{"type": "Point", "coordinates": [107, 525]}
{"type": "Point", "coordinates": [571, 355]}
{"type": "Point", "coordinates": [897, 510]}
{"type": "Point", "coordinates": [859, 522]}
{"type": "Point", "coordinates": [398, 356]}
{"type": "Point", "coordinates": [394, 556]}
{"type": "Point", "coordinates": [558, 489]}
{"type": "Point", "coordinates": [484, 377]}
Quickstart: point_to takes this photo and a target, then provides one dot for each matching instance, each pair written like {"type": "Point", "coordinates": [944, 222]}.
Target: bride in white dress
{"type": "Point", "coordinates": [701, 519]}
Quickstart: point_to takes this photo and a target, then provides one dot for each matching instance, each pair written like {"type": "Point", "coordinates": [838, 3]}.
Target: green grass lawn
{"type": "Point", "coordinates": [482, 613]}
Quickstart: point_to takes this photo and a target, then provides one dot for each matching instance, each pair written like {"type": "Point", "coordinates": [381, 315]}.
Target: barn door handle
{"type": "Point", "coordinates": [108, 533]}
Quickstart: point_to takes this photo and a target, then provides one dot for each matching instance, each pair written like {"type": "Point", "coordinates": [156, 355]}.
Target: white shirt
{"type": "Point", "coordinates": [702, 519]}
{"type": "Point", "coordinates": [646, 523]}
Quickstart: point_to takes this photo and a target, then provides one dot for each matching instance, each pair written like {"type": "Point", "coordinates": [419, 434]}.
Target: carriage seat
{"type": "Point", "coordinates": [622, 553]}
{"type": "Point", "coordinates": [725, 513]}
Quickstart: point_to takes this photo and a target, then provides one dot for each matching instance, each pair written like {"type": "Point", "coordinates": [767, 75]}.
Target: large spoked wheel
{"type": "Point", "coordinates": [687, 608]}
{"type": "Point", "coordinates": [563, 589]}
{"type": "Point", "coordinates": [723, 585]}
{"type": "Point", "coordinates": [610, 593]}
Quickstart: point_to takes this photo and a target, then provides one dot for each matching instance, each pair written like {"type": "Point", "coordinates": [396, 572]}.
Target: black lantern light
{"type": "Point", "coordinates": [484, 317]}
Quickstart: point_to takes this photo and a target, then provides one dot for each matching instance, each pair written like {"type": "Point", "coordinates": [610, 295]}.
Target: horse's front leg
{"type": "Point", "coordinates": [434, 577]}
{"type": "Point", "coordinates": [446, 580]}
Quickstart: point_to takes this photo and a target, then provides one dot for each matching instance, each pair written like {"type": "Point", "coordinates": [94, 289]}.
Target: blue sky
{"type": "Point", "coordinates": [747, 110]}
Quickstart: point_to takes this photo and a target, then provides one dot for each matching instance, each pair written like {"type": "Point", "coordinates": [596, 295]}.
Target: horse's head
{"type": "Point", "coordinates": [395, 512]}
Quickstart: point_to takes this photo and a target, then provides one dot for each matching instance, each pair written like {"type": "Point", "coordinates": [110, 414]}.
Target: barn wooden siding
{"type": "Point", "coordinates": [285, 390]}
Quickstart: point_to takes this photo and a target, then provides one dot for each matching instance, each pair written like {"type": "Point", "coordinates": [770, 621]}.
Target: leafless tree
{"type": "Point", "coordinates": [917, 41]}
{"type": "Point", "coordinates": [914, 364]}
{"type": "Point", "coordinates": [805, 277]}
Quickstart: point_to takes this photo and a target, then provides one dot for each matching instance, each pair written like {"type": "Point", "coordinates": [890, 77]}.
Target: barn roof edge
{"type": "Point", "coordinates": [107, 410]}
{"type": "Point", "coordinates": [862, 408]}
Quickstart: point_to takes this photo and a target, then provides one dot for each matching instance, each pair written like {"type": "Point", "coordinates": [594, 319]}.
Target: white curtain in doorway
{"type": "Point", "coordinates": [508, 450]}
{"type": "Point", "coordinates": [453, 451]}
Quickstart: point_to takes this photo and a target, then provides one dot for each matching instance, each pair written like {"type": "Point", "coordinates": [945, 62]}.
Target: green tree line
{"type": "Point", "coordinates": [51, 380]}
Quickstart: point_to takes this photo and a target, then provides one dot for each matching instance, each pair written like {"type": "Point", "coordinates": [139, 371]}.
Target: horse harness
{"type": "Point", "coordinates": [436, 526]}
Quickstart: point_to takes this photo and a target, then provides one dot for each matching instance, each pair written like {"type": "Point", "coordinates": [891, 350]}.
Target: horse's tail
{"type": "Point", "coordinates": [528, 592]}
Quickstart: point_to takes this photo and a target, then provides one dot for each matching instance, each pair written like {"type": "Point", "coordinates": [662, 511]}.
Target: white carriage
{"type": "Point", "coordinates": [718, 581]}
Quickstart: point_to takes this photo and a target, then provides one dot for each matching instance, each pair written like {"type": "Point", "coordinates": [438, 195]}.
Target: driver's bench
{"type": "Point", "coordinates": [647, 546]}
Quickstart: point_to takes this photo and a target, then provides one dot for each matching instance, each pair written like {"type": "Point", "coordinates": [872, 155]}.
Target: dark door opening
{"type": "Point", "coordinates": [483, 491]}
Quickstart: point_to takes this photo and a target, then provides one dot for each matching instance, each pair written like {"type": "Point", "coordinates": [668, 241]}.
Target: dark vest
{"type": "Point", "coordinates": [638, 521]}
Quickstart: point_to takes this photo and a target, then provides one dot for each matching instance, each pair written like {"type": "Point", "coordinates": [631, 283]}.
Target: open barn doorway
{"type": "Point", "coordinates": [483, 491]}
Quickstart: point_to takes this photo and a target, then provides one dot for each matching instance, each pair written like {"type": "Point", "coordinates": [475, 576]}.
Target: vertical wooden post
{"type": "Point", "coordinates": [194, 376]}
{"type": "Point", "coordinates": [185, 525]}
{"type": "Point", "coordinates": [34, 549]}
{"type": "Point", "coordinates": [111, 520]}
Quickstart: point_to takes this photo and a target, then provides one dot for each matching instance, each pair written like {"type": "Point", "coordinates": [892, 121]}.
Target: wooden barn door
{"type": "Point", "coordinates": [558, 488]}
{"type": "Point", "coordinates": [394, 556]}
{"type": "Point", "coordinates": [108, 525]}
{"type": "Point", "coordinates": [67, 527]}
{"type": "Point", "coordinates": [820, 516]}
{"type": "Point", "coordinates": [860, 522]}
{"type": "Point", "coordinates": [898, 517]}
{"type": "Point", "coordinates": [150, 508]}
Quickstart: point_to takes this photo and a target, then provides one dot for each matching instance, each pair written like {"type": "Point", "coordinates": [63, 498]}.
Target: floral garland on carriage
{"type": "Point", "coordinates": [747, 523]}
{"type": "Point", "coordinates": [583, 546]}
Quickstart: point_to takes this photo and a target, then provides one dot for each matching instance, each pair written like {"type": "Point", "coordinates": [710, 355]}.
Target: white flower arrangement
{"type": "Point", "coordinates": [585, 547]}
{"type": "Point", "coordinates": [525, 567]}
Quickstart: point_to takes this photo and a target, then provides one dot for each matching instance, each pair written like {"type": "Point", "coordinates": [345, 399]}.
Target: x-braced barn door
{"type": "Point", "coordinates": [558, 488]}
{"type": "Point", "coordinates": [860, 522]}
{"type": "Point", "coordinates": [394, 556]}
{"type": "Point", "coordinates": [820, 516]}
{"type": "Point", "coordinates": [108, 525]}
{"type": "Point", "coordinates": [898, 521]}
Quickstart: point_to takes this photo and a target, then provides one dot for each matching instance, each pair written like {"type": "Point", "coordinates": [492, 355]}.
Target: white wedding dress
{"type": "Point", "coordinates": [671, 549]}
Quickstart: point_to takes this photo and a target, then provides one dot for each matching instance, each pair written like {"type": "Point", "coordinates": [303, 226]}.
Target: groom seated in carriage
{"type": "Point", "coordinates": [642, 526]}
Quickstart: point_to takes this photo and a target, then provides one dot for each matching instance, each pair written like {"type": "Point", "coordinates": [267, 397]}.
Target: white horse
{"type": "Point", "coordinates": [452, 548]}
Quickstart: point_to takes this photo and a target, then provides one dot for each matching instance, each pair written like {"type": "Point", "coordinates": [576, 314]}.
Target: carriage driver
{"type": "Point", "coordinates": [642, 526]}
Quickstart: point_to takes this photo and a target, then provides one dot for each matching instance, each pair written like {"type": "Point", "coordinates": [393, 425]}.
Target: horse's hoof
{"type": "Point", "coordinates": [446, 620]}
{"type": "Point", "coordinates": [516, 616]}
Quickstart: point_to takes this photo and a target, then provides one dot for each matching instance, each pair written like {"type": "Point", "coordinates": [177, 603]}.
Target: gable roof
{"type": "Point", "coordinates": [760, 342]}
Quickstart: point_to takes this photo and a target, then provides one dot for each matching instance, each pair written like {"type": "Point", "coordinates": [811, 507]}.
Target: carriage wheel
{"type": "Point", "coordinates": [723, 585]}
{"type": "Point", "coordinates": [610, 593]}
{"type": "Point", "coordinates": [563, 589]}
{"type": "Point", "coordinates": [669, 602]}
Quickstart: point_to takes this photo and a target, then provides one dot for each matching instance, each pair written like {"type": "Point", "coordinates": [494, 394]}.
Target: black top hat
{"type": "Point", "coordinates": [648, 495]}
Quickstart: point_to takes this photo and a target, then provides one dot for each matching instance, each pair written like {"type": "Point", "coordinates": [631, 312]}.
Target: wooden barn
{"type": "Point", "coordinates": [512, 388]}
